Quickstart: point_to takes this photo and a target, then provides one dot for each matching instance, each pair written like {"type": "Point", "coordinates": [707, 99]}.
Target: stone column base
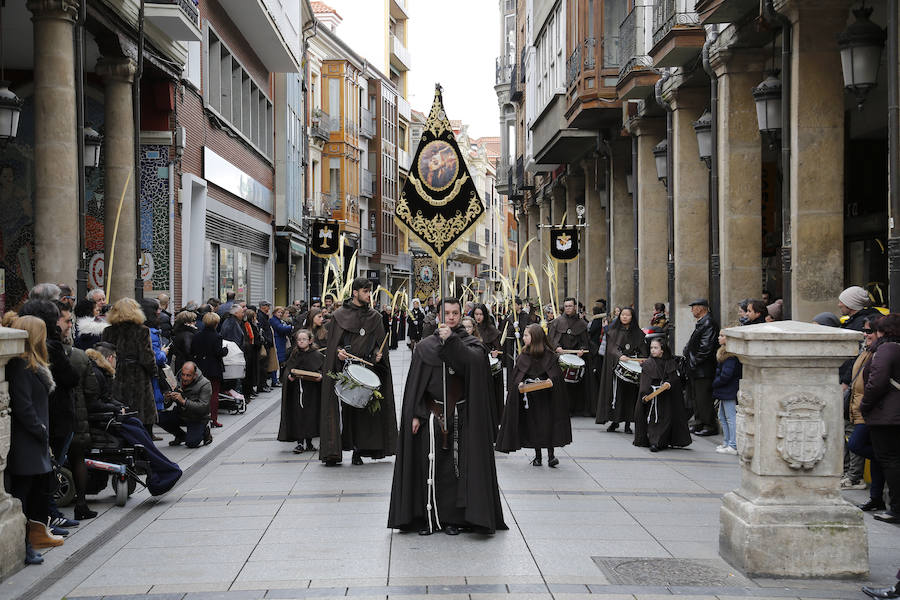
{"type": "Point", "coordinates": [12, 537]}
{"type": "Point", "coordinates": [793, 541]}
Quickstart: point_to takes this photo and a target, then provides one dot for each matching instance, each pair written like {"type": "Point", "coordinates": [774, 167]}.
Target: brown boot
{"type": "Point", "coordinates": [40, 536]}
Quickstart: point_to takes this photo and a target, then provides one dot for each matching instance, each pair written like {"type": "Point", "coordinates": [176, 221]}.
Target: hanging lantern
{"type": "Point", "coordinates": [92, 143]}
{"type": "Point", "coordinates": [10, 109]}
{"type": "Point", "coordinates": [661, 155]}
{"type": "Point", "coordinates": [861, 45]}
{"type": "Point", "coordinates": [768, 104]}
{"type": "Point", "coordinates": [703, 129]}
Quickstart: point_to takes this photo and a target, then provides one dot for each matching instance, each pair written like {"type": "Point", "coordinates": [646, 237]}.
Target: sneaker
{"type": "Point", "coordinates": [726, 450]}
{"type": "Point", "coordinates": [59, 531]}
{"type": "Point", "coordinates": [720, 446]}
{"type": "Point", "coordinates": [31, 556]}
{"type": "Point", "coordinates": [63, 522]}
{"type": "Point", "coordinates": [847, 484]}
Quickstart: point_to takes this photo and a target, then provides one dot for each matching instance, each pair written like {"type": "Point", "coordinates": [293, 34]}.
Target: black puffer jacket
{"type": "Point", "coordinates": [700, 351]}
{"type": "Point", "coordinates": [81, 364]}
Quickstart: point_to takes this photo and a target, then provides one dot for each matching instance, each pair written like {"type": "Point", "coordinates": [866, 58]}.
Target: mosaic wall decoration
{"type": "Point", "coordinates": [155, 215]}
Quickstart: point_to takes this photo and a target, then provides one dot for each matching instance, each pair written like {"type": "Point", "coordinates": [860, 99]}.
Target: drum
{"type": "Point", "coordinates": [572, 367]}
{"type": "Point", "coordinates": [357, 386]}
{"type": "Point", "coordinates": [629, 371]}
{"type": "Point", "coordinates": [495, 365]}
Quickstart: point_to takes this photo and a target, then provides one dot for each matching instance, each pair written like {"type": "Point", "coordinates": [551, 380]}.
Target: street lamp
{"type": "Point", "coordinates": [10, 109]}
{"type": "Point", "coordinates": [661, 156]}
{"type": "Point", "coordinates": [92, 142]}
{"type": "Point", "coordinates": [861, 44]}
{"type": "Point", "coordinates": [767, 96]}
{"type": "Point", "coordinates": [703, 129]}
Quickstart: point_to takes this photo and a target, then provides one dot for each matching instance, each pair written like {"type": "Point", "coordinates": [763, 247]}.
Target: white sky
{"type": "Point", "coordinates": [451, 42]}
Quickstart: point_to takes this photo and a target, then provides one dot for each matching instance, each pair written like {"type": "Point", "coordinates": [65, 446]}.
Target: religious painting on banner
{"type": "Point", "coordinates": [564, 243]}
{"type": "Point", "coordinates": [325, 238]}
{"type": "Point", "coordinates": [439, 202]}
{"type": "Point", "coordinates": [426, 277]}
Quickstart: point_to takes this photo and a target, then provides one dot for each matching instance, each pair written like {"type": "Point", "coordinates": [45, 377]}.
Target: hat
{"type": "Point", "coordinates": [828, 319]}
{"type": "Point", "coordinates": [700, 302]}
{"type": "Point", "coordinates": [265, 303]}
{"type": "Point", "coordinates": [854, 297]}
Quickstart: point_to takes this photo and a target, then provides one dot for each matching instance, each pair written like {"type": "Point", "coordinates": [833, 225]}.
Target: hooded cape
{"type": "Point", "coordinates": [571, 333]}
{"type": "Point", "coordinates": [619, 342]}
{"type": "Point", "coordinates": [477, 493]}
{"type": "Point", "coordinates": [662, 422]}
{"type": "Point", "coordinates": [300, 422]}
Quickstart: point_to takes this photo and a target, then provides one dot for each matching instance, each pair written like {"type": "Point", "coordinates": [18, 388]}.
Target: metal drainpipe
{"type": "Point", "coordinates": [81, 277]}
{"type": "Point", "coordinates": [670, 200]}
{"type": "Point", "coordinates": [893, 155]}
{"type": "Point", "coordinates": [715, 298]}
{"type": "Point", "coordinates": [313, 28]}
{"type": "Point", "coordinates": [136, 108]}
{"type": "Point", "coordinates": [634, 210]}
{"type": "Point", "coordinates": [771, 16]}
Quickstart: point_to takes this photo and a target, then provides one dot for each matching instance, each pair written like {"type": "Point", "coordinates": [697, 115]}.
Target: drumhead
{"type": "Point", "coordinates": [570, 360]}
{"type": "Point", "coordinates": [363, 376]}
{"type": "Point", "coordinates": [631, 365]}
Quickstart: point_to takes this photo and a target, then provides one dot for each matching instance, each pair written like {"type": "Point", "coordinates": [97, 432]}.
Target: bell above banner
{"type": "Point", "coordinates": [439, 203]}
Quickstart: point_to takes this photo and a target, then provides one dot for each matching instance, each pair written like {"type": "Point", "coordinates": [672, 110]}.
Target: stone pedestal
{"type": "Point", "coordinates": [596, 250]}
{"type": "Point", "coordinates": [788, 518]}
{"type": "Point", "coordinates": [55, 144]}
{"type": "Point", "coordinates": [12, 521]}
{"type": "Point", "coordinates": [652, 220]}
{"type": "Point", "coordinates": [622, 238]}
{"type": "Point", "coordinates": [740, 158]}
{"type": "Point", "coordinates": [121, 266]}
{"type": "Point", "coordinates": [691, 188]}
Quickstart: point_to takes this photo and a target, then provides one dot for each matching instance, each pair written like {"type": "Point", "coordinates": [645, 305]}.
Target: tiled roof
{"type": "Point", "coordinates": [322, 8]}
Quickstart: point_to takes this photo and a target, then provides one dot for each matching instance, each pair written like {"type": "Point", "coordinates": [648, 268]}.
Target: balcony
{"type": "Point", "coordinates": [678, 36]}
{"type": "Point", "coordinates": [351, 128]}
{"type": "Point", "coordinates": [259, 29]}
{"type": "Point", "coordinates": [367, 123]}
{"type": "Point", "coordinates": [178, 19]}
{"type": "Point", "coordinates": [725, 11]}
{"type": "Point", "coordinates": [369, 245]}
{"type": "Point", "coordinates": [573, 67]}
{"type": "Point", "coordinates": [612, 52]}
{"type": "Point", "coordinates": [324, 121]}
{"type": "Point", "coordinates": [326, 203]}
{"type": "Point", "coordinates": [367, 183]}
{"type": "Point", "coordinates": [404, 111]}
{"type": "Point", "coordinates": [399, 55]}
{"type": "Point", "coordinates": [399, 10]}
{"type": "Point", "coordinates": [554, 142]}
{"type": "Point", "coordinates": [636, 79]}
{"type": "Point", "coordinates": [404, 263]}
{"type": "Point", "coordinates": [404, 160]}
{"type": "Point", "coordinates": [590, 54]}
{"type": "Point", "coordinates": [504, 71]}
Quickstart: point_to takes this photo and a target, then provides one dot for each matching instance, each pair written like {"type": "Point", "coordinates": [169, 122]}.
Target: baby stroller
{"type": "Point", "coordinates": [235, 369]}
{"type": "Point", "coordinates": [123, 453]}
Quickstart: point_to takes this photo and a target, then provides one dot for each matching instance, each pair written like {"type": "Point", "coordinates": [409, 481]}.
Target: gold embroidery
{"type": "Point", "coordinates": [435, 201]}
{"type": "Point", "coordinates": [439, 231]}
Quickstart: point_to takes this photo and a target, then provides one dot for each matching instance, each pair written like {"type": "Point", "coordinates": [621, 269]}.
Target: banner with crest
{"type": "Point", "coordinates": [564, 243]}
{"type": "Point", "coordinates": [439, 202]}
{"type": "Point", "coordinates": [326, 236]}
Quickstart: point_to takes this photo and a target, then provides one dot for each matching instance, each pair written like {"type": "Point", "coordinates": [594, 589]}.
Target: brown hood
{"type": "Point", "coordinates": [100, 361]}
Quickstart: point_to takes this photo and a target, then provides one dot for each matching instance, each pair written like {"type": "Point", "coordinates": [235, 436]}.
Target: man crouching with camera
{"type": "Point", "coordinates": [188, 406]}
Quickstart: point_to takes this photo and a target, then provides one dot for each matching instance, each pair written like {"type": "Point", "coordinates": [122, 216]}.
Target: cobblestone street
{"type": "Point", "coordinates": [249, 519]}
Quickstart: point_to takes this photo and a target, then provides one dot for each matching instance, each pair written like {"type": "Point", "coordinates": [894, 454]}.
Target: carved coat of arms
{"type": "Point", "coordinates": [801, 430]}
{"type": "Point", "coordinates": [745, 426]}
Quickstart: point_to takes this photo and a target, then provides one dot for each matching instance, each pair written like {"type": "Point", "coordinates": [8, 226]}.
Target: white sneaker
{"type": "Point", "coordinates": [847, 484]}
{"type": "Point", "coordinates": [720, 446]}
{"type": "Point", "coordinates": [726, 450]}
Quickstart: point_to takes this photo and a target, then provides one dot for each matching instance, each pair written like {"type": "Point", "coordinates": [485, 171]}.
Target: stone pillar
{"type": "Point", "coordinates": [596, 250]}
{"type": "Point", "coordinates": [652, 219]}
{"type": "Point", "coordinates": [788, 518]}
{"type": "Point", "coordinates": [121, 262]}
{"type": "Point", "coordinates": [621, 242]}
{"type": "Point", "coordinates": [574, 197]}
{"type": "Point", "coordinates": [690, 179]}
{"type": "Point", "coordinates": [740, 164]}
{"type": "Point", "coordinates": [55, 144]}
{"type": "Point", "coordinates": [817, 161]}
{"type": "Point", "coordinates": [12, 521]}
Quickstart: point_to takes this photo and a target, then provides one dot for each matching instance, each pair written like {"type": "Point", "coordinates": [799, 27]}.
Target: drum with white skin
{"type": "Point", "coordinates": [360, 387]}
{"type": "Point", "coordinates": [572, 367]}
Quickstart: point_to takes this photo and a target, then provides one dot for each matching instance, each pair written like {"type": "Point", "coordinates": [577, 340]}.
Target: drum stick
{"type": "Point", "coordinates": [358, 359]}
{"type": "Point", "coordinates": [665, 386]}
{"type": "Point", "coordinates": [383, 342]}
{"type": "Point", "coordinates": [572, 351]}
{"type": "Point", "coordinates": [633, 359]}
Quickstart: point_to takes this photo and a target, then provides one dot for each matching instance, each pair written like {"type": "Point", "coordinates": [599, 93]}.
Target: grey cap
{"type": "Point", "coordinates": [700, 302]}
{"type": "Point", "coordinates": [265, 303]}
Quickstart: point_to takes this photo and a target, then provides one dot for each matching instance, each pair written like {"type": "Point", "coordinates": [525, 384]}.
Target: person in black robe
{"type": "Point", "coordinates": [490, 337]}
{"type": "Point", "coordinates": [595, 338]}
{"type": "Point", "coordinates": [300, 398]}
{"type": "Point", "coordinates": [401, 324]}
{"type": "Point", "coordinates": [416, 320]}
{"type": "Point", "coordinates": [661, 422]}
{"type": "Point", "coordinates": [617, 398]}
{"type": "Point", "coordinates": [464, 491]}
{"type": "Point", "coordinates": [569, 331]}
{"type": "Point", "coordinates": [538, 419]}
{"type": "Point", "coordinates": [395, 328]}
{"type": "Point", "coordinates": [355, 328]}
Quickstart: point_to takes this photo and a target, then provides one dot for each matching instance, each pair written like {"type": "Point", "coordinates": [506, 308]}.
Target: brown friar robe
{"type": "Point", "coordinates": [300, 409]}
{"type": "Point", "coordinates": [570, 333]}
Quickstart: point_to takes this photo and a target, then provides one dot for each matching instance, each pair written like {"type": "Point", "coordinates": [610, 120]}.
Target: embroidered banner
{"type": "Point", "coordinates": [564, 243]}
{"type": "Point", "coordinates": [326, 237]}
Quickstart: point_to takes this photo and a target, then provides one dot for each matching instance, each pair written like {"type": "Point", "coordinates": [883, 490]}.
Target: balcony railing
{"type": "Point", "coordinates": [612, 55]}
{"type": "Point", "coordinates": [404, 160]}
{"type": "Point", "coordinates": [509, 6]}
{"type": "Point", "coordinates": [404, 262]}
{"type": "Point", "coordinates": [632, 46]}
{"type": "Point", "coordinates": [188, 7]}
{"type": "Point", "coordinates": [474, 248]}
{"type": "Point", "coordinates": [327, 203]}
{"type": "Point", "coordinates": [367, 123]}
{"type": "Point", "coordinates": [504, 70]}
{"type": "Point", "coordinates": [351, 127]}
{"type": "Point", "coordinates": [369, 244]}
{"type": "Point", "coordinates": [573, 66]}
{"type": "Point", "coordinates": [366, 183]}
{"type": "Point", "coordinates": [668, 14]}
{"type": "Point", "coordinates": [325, 121]}
{"type": "Point", "coordinates": [590, 54]}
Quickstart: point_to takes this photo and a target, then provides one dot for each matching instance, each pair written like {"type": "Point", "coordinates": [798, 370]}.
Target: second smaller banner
{"type": "Point", "coordinates": [326, 237]}
{"type": "Point", "coordinates": [564, 243]}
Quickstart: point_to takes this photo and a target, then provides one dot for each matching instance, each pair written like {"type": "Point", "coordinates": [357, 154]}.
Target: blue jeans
{"type": "Point", "coordinates": [860, 443]}
{"type": "Point", "coordinates": [171, 422]}
{"type": "Point", "coordinates": [727, 414]}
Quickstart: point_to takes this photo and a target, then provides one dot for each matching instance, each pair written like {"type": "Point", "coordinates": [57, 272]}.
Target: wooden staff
{"type": "Point", "coordinates": [573, 351]}
{"type": "Point", "coordinates": [665, 386]}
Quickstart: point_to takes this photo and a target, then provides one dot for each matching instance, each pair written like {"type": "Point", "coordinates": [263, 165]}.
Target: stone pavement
{"type": "Point", "coordinates": [252, 520]}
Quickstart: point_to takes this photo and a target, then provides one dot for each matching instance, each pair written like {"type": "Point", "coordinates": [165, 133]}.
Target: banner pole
{"type": "Point", "coordinates": [443, 296]}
